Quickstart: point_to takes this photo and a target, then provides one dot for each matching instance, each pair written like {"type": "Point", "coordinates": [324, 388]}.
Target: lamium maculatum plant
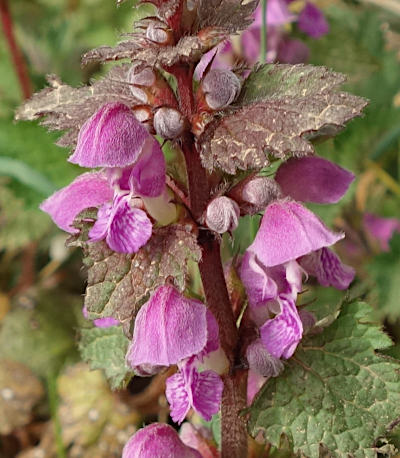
{"type": "Point", "coordinates": [242, 350]}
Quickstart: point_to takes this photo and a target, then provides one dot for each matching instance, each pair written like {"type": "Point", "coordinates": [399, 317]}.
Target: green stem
{"type": "Point", "coordinates": [263, 48]}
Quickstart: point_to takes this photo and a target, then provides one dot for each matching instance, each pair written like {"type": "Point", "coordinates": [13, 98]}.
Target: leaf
{"type": "Point", "coordinates": [296, 104]}
{"type": "Point", "coordinates": [88, 409]}
{"type": "Point", "coordinates": [335, 391]}
{"type": "Point", "coordinates": [188, 49]}
{"type": "Point", "coordinates": [67, 108]}
{"type": "Point", "coordinates": [119, 284]}
{"type": "Point", "coordinates": [20, 390]}
{"type": "Point", "coordinates": [41, 337]}
{"type": "Point", "coordinates": [385, 271]}
{"type": "Point", "coordinates": [105, 348]}
{"type": "Point", "coordinates": [229, 15]}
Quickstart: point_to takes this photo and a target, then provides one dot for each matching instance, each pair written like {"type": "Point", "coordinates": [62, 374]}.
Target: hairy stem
{"type": "Point", "coordinates": [16, 54]}
{"type": "Point", "coordinates": [263, 45]}
{"type": "Point", "coordinates": [233, 427]}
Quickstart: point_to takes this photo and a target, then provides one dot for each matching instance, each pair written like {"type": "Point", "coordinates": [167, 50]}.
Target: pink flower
{"type": "Point", "coordinates": [189, 388]}
{"type": "Point", "coordinates": [312, 21]}
{"type": "Point", "coordinates": [172, 329]}
{"type": "Point", "coordinates": [288, 230]}
{"type": "Point", "coordinates": [125, 228]}
{"type": "Point", "coordinates": [328, 268]}
{"type": "Point", "coordinates": [313, 179]}
{"type": "Point", "coordinates": [282, 334]}
{"type": "Point", "coordinates": [112, 137]}
{"type": "Point", "coordinates": [157, 441]}
{"type": "Point", "coordinates": [381, 229]}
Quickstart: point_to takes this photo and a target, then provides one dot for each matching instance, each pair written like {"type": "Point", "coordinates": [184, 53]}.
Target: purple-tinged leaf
{"type": "Point", "coordinates": [67, 108]}
{"type": "Point", "coordinates": [119, 284]}
{"type": "Point", "coordinates": [280, 109]}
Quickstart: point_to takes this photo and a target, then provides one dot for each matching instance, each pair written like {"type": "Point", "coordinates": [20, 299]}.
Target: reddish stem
{"type": "Point", "coordinates": [16, 54]}
{"type": "Point", "coordinates": [233, 427]}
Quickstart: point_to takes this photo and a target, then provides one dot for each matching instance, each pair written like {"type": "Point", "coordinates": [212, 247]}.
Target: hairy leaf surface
{"type": "Point", "coordinates": [119, 284]}
{"type": "Point", "coordinates": [335, 391]}
{"type": "Point", "coordinates": [105, 348]}
{"type": "Point", "coordinates": [66, 108]}
{"type": "Point", "coordinates": [280, 109]}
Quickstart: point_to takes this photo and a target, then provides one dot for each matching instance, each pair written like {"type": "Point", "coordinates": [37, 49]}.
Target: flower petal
{"type": "Point", "coordinates": [158, 440]}
{"type": "Point", "coordinates": [148, 174]}
{"type": "Point", "coordinates": [178, 398]}
{"type": "Point", "coordinates": [87, 190]}
{"type": "Point", "coordinates": [129, 230]}
{"type": "Point", "coordinates": [189, 388]}
{"type": "Point", "coordinates": [381, 229]}
{"type": "Point", "coordinates": [112, 137]}
{"type": "Point", "coordinates": [328, 268]}
{"type": "Point", "coordinates": [282, 334]}
{"type": "Point", "coordinates": [168, 329]}
{"type": "Point", "coordinates": [288, 230]}
{"type": "Point", "coordinates": [313, 179]}
{"type": "Point", "coordinates": [312, 21]}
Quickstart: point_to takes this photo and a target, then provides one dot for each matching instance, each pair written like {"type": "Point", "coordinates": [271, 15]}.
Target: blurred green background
{"type": "Point", "coordinates": [41, 282]}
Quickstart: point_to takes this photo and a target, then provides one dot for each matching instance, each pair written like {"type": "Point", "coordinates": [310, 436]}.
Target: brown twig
{"type": "Point", "coordinates": [16, 54]}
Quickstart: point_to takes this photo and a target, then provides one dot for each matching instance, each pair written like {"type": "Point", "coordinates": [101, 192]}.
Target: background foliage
{"type": "Point", "coordinates": [41, 281]}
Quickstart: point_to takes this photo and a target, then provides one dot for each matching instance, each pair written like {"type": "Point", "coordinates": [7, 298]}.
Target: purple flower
{"type": "Point", "coordinates": [125, 228]}
{"type": "Point", "coordinates": [282, 334]}
{"type": "Point", "coordinates": [87, 190]}
{"type": "Point", "coordinates": [328, 268]}
{"type": "Point", "coordinates": [157, 441]}
{"type": "Point", "coordinates": [189, 388]}
{"type": "Point", "coordinates": [313, 179]}
{"type": "Point", "coordinates": [288, 230]}
{"type": "Point", "coordinates": [382, 229]}
{"type": "Point", "coordinates": [172, 329]}
{"type": "Point", "coordinates": [312, 21]}
{"type": "Point", "coordinates": [112, 137]}
{"type": "Point", "coordinates": [168, 329]}
{"type": "Point", "coordinates": [292, 51]}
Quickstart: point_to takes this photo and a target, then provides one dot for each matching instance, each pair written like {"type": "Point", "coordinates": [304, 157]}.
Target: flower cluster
{"type": "Point", "coordinates": [128, 189]}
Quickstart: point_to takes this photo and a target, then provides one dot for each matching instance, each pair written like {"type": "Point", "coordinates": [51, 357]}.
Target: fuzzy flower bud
{"type": "Point", "coordinates": [157, 439]}
{"type": "Point", "coordinates": [159, 32]}
{"type": "Point", "coordinates": [261, 191]}
{"type": "Point", "coordinates": [220, 88]}
{"type": "Point", "coordinates": [139, 75]}
{"type": "Point", "coordinates": [222, 215]}
{"type": "Point", "coordinates": [168, 123]}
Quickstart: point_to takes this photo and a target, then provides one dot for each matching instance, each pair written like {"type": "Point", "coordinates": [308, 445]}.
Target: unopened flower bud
{"type": "Point", "coordinates": [144, 114]}
{"type": "Point", "coordinates": [261, 362]}
{"type": "Point", "coordinates": [222, 215]}
{"type": "Point", "coordinates": [261, 191]}
{"type": "Point", "coordinates": [168, 123]}
{"type": "Point", "coordinates": [140, 77]}
{"type": "Point", "coordinates": [159, 32]}
{"type": "Point", "coordinates": [220, 88]}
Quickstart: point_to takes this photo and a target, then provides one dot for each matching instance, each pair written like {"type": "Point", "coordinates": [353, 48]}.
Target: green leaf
{"type": "Point", "coordinates": [335, 391]}
{"type": "Point", "coordinates": [105, 348]}
{"type": "Point", "coordinates": [385, 271]}
{"type": "Point", "coordinates": [119, 284]}
{"type": "Point", "coordinates": [296, 104]}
